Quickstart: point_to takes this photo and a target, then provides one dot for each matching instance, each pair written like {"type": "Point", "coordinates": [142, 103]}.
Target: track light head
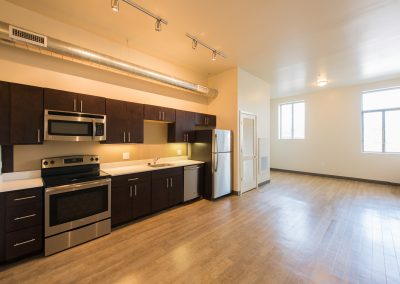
{"type": "Point", "coordinates": [115, 5]}
{"type": "Point", "coordinates": [158, 25]}
{"type": "Point", "coordinates": [214, 55]}
{"type": "Point", "coordinates": [194, 44]}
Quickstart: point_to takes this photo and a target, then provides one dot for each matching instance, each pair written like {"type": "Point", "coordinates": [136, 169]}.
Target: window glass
{"type": "Point", "coordinates": [384, 99]}
{"type": "Point", "coordinates": [286, 121]}
{"type": "Point", "coordinates": [392, 131]}
{"type": "Point", "coordinates": [299, 120]}
{"type": "Point", "coordinates": [373, 132]}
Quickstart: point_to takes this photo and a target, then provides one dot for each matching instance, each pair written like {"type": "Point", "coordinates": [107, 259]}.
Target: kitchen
{"type": "Point", "coordinates": [169, 141]}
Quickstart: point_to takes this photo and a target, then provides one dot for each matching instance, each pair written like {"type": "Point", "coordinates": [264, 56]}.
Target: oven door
{"type": "Point", "coordinates": [71, 206]}
{"type": "Point", "coordinates": [72, 126]}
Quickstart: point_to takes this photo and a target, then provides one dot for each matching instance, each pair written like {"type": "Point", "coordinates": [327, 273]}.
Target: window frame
{"type": "Point", "coordinates": [383, 114]}
{"type": "Point", "coordinates": [292, 122]}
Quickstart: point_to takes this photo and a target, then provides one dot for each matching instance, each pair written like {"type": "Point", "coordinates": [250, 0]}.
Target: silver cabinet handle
{"type": "Point", "coordinates": [133, 179]}
{"type": "Point", "coordinates": [159, 115]}
{"type": "Point", "coordinates": [129, 136]}
{"type": "Point", "coordinates": [74, 104]}
{"type": "Point", "coordinates": [81, 106]}
{"type": "Point", "coordinates": [24, 217]}
{"type": "Point", "coordinates": [130, 191]}
{"type": "Point", "coordinates": [135, 189]}
{"type": "Point", "coordinates": [163, 115]}
{"type": "Point", "coordinates": [38, 135]}
{"type": "Point", "coordinates": [167, 183]}
{"type": "Point", "coordinates": [25, 198]}
{"type": "Point", "coordinates": [23, 243]}
{"type": "Point", "coordinates": [124, 137]}
{"type": "Point", "coordinates": [171, 182]}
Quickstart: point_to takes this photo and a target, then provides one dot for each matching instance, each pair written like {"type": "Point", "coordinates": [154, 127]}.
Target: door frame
{"type": "Point", "coordinates": [241, 115]}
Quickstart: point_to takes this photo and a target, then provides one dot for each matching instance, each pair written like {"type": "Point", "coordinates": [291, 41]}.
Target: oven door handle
{"type": "Point", "coordinates": [77, 186]}
{"type": "Point", "coordinates": [94, 129]}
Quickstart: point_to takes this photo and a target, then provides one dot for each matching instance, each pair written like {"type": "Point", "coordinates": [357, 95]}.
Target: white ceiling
{"type": "Point", "coordinates": [285, 42]}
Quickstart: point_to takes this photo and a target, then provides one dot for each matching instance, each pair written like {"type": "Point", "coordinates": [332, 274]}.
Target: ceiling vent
{"type": "Point", "coordinates": [27, 36]}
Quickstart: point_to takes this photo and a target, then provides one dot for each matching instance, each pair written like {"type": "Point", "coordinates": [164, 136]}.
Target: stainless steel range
{"type": "Point", "coordinates": [77, 201]}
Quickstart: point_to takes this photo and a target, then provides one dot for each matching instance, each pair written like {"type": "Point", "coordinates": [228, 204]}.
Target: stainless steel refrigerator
{"type": "Point", "coordinates": [214, 147]}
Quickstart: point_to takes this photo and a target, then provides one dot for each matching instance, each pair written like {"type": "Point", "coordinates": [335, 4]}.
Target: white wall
{"type": "Point", "coordinates": [254, 97]}
{"type": "Point", "coordinates": [333, 143]}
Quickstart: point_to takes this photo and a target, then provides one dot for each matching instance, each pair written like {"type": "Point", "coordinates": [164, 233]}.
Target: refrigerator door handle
{"type": "Point", "coordinates": [216, 163]}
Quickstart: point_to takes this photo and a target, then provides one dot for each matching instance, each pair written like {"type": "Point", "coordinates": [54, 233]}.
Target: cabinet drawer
{"type": "Point", "coordinates": [23, 197]}
{"type": "Point", "coordinates": [24, 216]}
{"type": "Point", "coordinates": [167, 173]}
{"type": "Point", "coordinates": [23, 242]}
{"type": "Point", "coordinates": [132, 178]}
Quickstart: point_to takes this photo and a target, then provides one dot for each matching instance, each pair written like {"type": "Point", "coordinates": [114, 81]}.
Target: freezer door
{"type": "Point", "coordinates": [221, 141]}
{"type": "Point", "coordinates": [222, 174]}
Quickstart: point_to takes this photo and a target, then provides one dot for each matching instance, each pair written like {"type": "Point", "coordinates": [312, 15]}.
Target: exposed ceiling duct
{"type": "Point", "coordinates": [31, 41]}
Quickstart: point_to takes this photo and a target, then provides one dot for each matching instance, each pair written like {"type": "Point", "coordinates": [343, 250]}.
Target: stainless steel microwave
{"type": "Point", "coordinates": [74, 126]}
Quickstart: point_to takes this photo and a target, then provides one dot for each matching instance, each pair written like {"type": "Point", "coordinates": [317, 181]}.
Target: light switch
{"type": "Point", "coordinates": [126, 156]}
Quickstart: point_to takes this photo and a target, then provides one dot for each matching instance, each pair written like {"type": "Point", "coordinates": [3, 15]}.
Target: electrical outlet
{"type": "Point", "coordinates": [179, 152]}
{"type": "Point", "coordinates": [126, 156]}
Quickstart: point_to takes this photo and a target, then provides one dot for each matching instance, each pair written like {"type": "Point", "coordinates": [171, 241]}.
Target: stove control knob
{"type": "Point", "coordinates": [97, 159]}
{"type": "Point", "coordinates": [51, 162]}
{"type": "Point", "coordinates": [91, 159]}
{"type": "Point", "coordinates": [45, 163]}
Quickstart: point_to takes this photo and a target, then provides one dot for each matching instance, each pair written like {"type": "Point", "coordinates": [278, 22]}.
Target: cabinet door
{"type": "Point", "coordinates": [152, 112]}
{"type": "Point", "coordinates": [136, 123]}
{"type": "Point", "coordinates": [168, 114]}
{"type": "Point", "coordinates": [91, 104]}
{"type": "Point", "coordinates": [181, 130]}
{"type": "Point", "coordinates": [2, 225]}
{"type": "Point", "coordinates": [206, 120]}
{"type": "Point", "coordinates": [159, 194]}
{"type": "Point", "coordinates": [175, 190]}
{"type": "Point", "coordinates": [141, 199]}
{"type": "Point", "coordinates": [26, 114]}
{"type": "Point", "coordinates": [4, 114]}
{"type": "Point", "coordinates": [117, 121]}
{"type": "Point", "coordinates": [121, 205]}
{"type": "Point", "coordinates": [60, 100]}
{"type": "Point", "coordinates": [211, 120]}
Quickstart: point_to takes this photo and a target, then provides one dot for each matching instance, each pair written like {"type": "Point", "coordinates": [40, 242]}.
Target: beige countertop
{"type": "Point", "coordinates": [32, 179]}
{"type": "Point", "coordinates": [139, 168]}
{"type": "Point", "coordinates": [20, 180]}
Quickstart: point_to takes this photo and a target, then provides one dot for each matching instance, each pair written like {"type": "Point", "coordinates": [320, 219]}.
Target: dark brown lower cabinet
{"type": "Point", "coordinates": [21, 223]}
{"type": "Point", "coordinates": [130, 197]}
{"type": "Point", "coordinates": [2, 226]}
{"type": "Point", "coordinates": [167, 188]}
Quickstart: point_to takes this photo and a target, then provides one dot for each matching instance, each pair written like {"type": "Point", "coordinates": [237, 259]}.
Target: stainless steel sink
{"type": "Point", "coordinates": [160, 165]}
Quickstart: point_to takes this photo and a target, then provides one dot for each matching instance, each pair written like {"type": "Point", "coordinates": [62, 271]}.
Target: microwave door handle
{"type": "Point", "coordinates": [94, 129]}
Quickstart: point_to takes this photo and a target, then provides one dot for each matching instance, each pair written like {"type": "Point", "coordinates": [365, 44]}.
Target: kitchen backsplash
{"type": "Point", "coordinates": [27, 157]}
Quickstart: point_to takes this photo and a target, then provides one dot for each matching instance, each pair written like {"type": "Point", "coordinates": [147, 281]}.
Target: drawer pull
{"type": "Point", "coordinates": [25, 198]}
{"type": "Point", "coordinates": [133, 179]}
{"type": "Point", "coordinates": [24, 243]}
{"type": "Point", "coordinates": [24, 217]}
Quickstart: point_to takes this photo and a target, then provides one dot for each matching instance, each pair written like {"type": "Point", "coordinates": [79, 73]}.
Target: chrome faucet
{"type": "Point", "coordinates": [155, 160]}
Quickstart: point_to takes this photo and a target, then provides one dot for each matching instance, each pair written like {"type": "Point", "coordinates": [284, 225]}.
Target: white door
{"type": "Point", "coordinates": [248, 151]}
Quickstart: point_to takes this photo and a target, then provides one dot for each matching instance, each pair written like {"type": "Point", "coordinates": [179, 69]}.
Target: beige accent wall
{"type": "Point", "coordinates": [226, 108]}
{"type": "Point", "coordinates": [333, 137]}
{"type": "Point", "coordinates": [254, 97]}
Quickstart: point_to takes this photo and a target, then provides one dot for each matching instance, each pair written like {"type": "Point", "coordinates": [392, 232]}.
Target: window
{"type": "Point", "coordinates": [381, 121]}
{"type": "Point", "coordinates": [292, 120]}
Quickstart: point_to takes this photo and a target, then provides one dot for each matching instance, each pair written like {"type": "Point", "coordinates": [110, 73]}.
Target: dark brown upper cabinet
{"type": "Point", "coordinates": [68, 101]}
{"type": "Point", "coordinates": [182, 130]}
{"type": "Point", "coordinates": [124, 122]}
{"type": "Point", "coordinates": [4, 114]}
{"type": "Point", "coordinates": [157, 113]}
{"type": "Point", "coordinates": [206, 120]}
{"type": "Point", "coordinates": [26, 118]}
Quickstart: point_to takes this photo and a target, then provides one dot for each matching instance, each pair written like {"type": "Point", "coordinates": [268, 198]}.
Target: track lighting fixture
{"type": "Point", "coordinates": [214, 56]}
{"type": "Point", "coordinates": [159, 20]}
{"type": "Point", "coordinates": [115, 5]}
{"type": "Point", "coordinates": [194, 44]}
{"type": "Point", "coordinates": [215, 52]}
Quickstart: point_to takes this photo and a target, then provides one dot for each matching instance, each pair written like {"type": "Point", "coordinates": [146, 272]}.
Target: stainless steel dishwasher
{"type": "Point", "coordinates": [193, 181]}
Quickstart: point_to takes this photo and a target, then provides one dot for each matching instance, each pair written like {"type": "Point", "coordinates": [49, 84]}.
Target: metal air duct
{"type": "Point", "coordinates": [31, 41]}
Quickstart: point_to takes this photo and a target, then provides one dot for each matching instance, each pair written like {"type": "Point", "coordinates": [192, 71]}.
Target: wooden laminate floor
{"type": "Point", "coordinates": [298, 229]}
